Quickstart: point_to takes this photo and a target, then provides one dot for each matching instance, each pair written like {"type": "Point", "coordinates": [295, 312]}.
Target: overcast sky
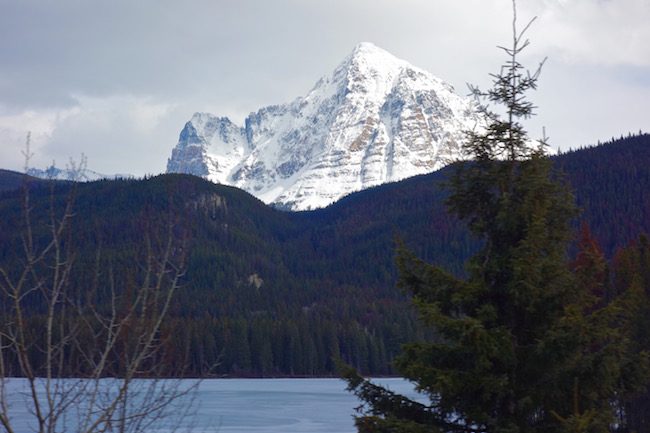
{"type": "Point", "coordinates": [116, 80]}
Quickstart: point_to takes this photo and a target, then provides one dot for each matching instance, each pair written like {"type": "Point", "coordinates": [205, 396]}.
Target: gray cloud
{"type": "Point", "coordinates": [117, 79]}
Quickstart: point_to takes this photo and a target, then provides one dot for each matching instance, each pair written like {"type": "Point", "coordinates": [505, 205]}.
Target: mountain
{"type": "Point", "coordinates": [74, 174]}
{"type": "Point", "coordinates": [275, 293]}
{"type": "Point", "coordinates": [11, 180]}
{"type": "Point", "coordinates": [374, 119]}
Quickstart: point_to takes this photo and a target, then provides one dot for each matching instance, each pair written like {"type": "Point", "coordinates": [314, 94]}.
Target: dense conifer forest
{"type": "Point", "coordinates": [273, 293]}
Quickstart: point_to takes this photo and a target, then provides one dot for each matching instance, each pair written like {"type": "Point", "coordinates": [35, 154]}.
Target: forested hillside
{"type": "Point", "coordinates": [268, 292]}
{"type": "Point", "coordinates": [12, 180]}
{"type": "Point", "coordinates": [611, 184]}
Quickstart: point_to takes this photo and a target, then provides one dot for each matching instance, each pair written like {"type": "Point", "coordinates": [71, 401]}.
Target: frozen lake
{"type": "Point", "coordinates": [264, 405]}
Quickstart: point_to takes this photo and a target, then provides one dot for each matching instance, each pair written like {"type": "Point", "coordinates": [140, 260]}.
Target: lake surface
{"type": "Point", "coordinates": [264, 405]}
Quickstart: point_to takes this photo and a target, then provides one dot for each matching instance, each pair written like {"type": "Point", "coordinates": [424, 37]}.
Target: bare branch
{"type": "Point", "coordinates": [53, 329]}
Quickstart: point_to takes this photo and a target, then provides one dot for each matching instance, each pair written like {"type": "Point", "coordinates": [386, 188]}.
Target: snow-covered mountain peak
{"type": "Point", "coordinates": [369, 70]}
{"type": "Point", "coordinates": [370, 57]}
{"type": "Point", "coordinates": [374, 119]}
{"type": "Point", "coordinates": [372, 63]}
{"type": "Point", "coordinates": [369, 49]}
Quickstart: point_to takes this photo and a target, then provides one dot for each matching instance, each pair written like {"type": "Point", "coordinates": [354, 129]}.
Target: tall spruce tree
{"type": "Point", "coordinates": [632, 282]}
{"type": "Point", "coordinates": [522, 346]}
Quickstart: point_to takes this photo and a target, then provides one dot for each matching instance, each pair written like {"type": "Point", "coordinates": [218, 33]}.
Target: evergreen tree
{"type": "Point", "coordinates": [523, 344]}
{"type": "Point", "coordinates": [632, 282]}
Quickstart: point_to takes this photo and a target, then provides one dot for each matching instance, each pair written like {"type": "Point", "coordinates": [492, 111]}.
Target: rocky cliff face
{"type": "Point", "coordinates": [375, 119]}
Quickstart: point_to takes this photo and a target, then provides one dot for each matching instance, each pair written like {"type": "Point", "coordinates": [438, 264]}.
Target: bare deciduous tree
{"type": "Point", "coordinates": [89, 358]}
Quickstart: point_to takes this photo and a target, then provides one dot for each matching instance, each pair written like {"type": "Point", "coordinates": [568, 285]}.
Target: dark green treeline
{"type": "Point", "coordinates": [271, 293]}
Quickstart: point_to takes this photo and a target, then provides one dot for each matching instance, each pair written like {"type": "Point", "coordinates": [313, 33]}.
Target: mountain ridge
{"type": "Point", "coordinates": [374, 119]}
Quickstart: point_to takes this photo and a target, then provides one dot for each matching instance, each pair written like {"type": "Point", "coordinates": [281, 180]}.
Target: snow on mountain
{"type": "Point", "coordinates": [78, 175]}
{"type": "Point", "coordinates": [375, 119]}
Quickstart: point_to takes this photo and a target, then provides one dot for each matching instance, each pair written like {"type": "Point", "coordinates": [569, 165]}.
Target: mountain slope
{"type": "Point", "coordinates": [374, 119]}
{"type": "Point", "coordinates": [10, 180]}
{"type": "Point", "coordinates": [281, 293]}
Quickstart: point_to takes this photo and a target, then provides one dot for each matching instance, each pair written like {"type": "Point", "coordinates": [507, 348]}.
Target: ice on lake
{"type": "Point", "coordinates": [264, 406]}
